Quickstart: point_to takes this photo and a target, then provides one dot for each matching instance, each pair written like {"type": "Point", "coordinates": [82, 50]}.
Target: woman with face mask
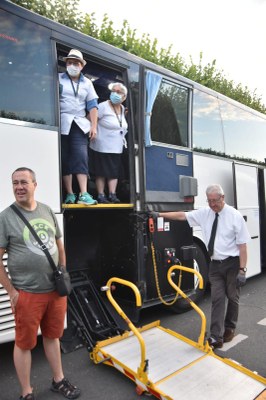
{"type": "Point", "coordinates": [106, 150]}
{"type": "Point", "coordinates": [78, 111]}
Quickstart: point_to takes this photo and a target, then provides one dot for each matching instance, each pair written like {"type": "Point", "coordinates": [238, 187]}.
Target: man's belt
{"type": "Point", "coordinates": [225, 259]}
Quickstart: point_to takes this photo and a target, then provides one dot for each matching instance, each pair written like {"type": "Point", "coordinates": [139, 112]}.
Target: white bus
{"type": "Point", "coordinates": [181, 138]}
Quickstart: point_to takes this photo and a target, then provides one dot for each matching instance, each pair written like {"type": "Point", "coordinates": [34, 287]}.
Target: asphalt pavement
{"type": "Point", "coordinates": [101, 382]}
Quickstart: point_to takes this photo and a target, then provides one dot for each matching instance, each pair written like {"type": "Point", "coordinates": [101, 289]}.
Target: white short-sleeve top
{"type": "Point", "coordinates": [111, 129]}
{"type": "Point", "coordinates": [74, 107]}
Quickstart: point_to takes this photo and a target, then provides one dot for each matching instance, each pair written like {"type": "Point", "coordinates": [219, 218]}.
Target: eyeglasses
{"type": "Point", "coordinates": [118, 92]}
{"type": "Point", "coordinates": [214, 201]}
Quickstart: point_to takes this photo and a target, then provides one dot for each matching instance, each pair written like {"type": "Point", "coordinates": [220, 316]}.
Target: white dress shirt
{"type": "Point", "coordinates": [231, 229]}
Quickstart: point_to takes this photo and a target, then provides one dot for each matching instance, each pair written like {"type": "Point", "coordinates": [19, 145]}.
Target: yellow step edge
{"type": "Point", "coordinates": [120, 205]}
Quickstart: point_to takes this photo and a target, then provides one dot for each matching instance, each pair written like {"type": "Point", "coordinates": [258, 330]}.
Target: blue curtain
{"type": "Point", "coordinates": [153, 82]}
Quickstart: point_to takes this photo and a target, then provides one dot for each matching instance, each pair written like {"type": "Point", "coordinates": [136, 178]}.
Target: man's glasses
{"type": "Point", "coordinates": [214, 201]}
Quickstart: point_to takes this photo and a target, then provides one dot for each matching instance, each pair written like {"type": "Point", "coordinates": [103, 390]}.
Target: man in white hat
{"type": "Point", "coordinates": [79, 113]}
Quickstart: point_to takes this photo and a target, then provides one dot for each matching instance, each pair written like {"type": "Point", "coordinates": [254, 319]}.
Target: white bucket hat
{"type": "Point", "coordinates": [76, 54]}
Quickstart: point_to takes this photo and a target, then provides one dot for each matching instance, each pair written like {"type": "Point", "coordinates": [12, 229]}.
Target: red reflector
{"type": "Point", "coordinates": [189, 199]}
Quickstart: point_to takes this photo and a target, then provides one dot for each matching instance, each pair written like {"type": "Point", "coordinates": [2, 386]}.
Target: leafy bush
{"type": "Point", "coordinates": [66, 12]}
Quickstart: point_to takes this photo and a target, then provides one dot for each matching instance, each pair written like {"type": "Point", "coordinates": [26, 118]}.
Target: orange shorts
{"type": "Point", "coordinates": [34, 310]}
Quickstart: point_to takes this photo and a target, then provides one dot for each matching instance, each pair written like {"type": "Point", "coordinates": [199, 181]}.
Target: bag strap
{"type": "Point", "coordinates": [43, 246]}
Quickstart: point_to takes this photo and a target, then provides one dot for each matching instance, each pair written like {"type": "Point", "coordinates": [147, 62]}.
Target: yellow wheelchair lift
{"type": "Point", "coordinates": [170, 366]}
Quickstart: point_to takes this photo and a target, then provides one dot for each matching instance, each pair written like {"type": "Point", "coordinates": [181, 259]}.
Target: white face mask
{"type": "Point", "coordinates": [73, 71]}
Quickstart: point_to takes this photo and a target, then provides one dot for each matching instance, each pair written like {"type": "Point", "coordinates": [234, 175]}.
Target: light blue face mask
{"type": "Point", "coordinates": [115, 98]}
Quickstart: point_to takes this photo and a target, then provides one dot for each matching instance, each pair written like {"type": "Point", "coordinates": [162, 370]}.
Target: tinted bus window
{"type": "Point", "coordinates": [207, 125]}
{"type": "Point", "coordinates": [244, 132]}
{"type": "Point", "coordinates": [169, 121]}
{"type": "Point", "coordinates": [25, 71]}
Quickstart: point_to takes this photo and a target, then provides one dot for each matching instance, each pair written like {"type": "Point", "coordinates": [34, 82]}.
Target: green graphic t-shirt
{"type": "Point", "coordinates": [28, 266]}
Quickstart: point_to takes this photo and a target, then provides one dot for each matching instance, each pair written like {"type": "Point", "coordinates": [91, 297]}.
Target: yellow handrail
{"type": "Point", "coordinates": [143, 368]}
{"type": "Point", "coordinates": [196, 308]}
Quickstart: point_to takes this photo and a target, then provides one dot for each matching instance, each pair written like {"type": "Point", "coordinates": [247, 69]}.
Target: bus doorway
{"type": "Point", "coordinates": [247, 202]}
{"type": "Point", "coordinates": [101, 76]}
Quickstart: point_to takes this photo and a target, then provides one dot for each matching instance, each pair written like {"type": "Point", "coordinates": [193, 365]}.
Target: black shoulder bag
{"type": "Point", "coordinates": [62, 278]}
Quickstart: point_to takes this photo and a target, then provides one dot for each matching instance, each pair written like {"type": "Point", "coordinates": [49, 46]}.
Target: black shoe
{"type": "Point", "coordinates": [102, 199]}
{"type": "Point", "coordinates": [29, 396]}
{"type": "Point", "coordinates": [113, 199]}
{"type": "Point", "coordinates": [229, 334]}
{"type": "Point", "coordinates": [66, 389]}
{"type": "Point", "coordinates": [215, 344]}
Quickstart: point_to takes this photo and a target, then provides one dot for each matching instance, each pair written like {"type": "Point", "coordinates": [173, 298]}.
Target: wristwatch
{"type": "Point", "coordinates": [243, 269]}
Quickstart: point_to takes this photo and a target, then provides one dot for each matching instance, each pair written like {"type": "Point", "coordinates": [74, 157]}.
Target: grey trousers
{"type": "Point", "coordinates": [222, 278]}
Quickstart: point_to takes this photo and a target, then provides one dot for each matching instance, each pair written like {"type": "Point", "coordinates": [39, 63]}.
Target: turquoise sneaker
{"type": "Point", "coordinates": [87, 199]}
{"type": "Point", "coordinates": [70, 198]}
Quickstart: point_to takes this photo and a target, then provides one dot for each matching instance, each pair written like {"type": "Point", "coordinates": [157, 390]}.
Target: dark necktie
{"type": "Point", "coordinates": [213, 233]}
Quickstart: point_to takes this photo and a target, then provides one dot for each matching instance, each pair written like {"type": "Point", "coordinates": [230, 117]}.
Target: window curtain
{"type": "Point", "coordinates": [153, 82]}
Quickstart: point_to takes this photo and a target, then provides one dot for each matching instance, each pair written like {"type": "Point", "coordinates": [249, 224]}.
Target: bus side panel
{"type": "Point", "coordinates": [7, 321]}
{"type": "Point", "coordinates": [34, 148]}
{"type": "Point", "coordinates": [262, 200]}
{"type": "Point", "coordinates": [208, 170]}
{"type": "Point", "coordinates": [164, 165]}
{"type": "Point", "coordinates": [37, 149]}
{"type": "Point", "coordinates": [246, 179]}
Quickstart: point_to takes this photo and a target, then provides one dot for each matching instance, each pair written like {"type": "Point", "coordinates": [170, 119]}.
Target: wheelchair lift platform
{"type": "Point", "coordinates": [172, 367]}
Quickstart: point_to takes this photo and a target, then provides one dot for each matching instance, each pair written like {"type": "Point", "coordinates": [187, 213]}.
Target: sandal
{"type": "Point", "coordinates": [29, 396]}
{"type": "Point", "coordinates": [66, 388]}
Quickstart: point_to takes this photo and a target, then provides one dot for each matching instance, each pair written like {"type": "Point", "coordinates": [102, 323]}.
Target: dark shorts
{"type": "Point", "coordinates": [74, 152]}
{"type": "Point", "coordinates": [46, 311]}
{"type": "Point", "coordinates": [106, 165]}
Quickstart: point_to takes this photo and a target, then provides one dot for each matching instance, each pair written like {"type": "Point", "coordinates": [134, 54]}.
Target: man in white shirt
{"type": "Point", "coordinates": [228, 254]}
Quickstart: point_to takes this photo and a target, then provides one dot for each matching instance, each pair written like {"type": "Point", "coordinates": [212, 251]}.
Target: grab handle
{"type": "Point", "coordinates": [142, 370]}
{"type": "Point", "coordinates": [196, 308]}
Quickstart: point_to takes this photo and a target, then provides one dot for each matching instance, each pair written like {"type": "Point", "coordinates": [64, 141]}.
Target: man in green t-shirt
{"type": "Point", "coordinates": [31, 287]}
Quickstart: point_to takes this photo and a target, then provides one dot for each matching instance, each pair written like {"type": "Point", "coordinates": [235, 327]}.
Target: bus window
{"type": "Point", "coordinates": [244, 132]}
{"type": "Point", "coordinates": [169, 120]}
{"type": "Point", "coordinates": [26, 71]}
{"type": "Point", "coordinates": [207, 125]}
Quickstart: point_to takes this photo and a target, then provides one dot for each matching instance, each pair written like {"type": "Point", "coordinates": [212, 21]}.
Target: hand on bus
{"type": "Point", "coordinates": [154, 214]}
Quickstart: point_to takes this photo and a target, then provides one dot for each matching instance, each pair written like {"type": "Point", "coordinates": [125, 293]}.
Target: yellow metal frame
{"type": "Point", "coordinates": [142, 370]}
{"type": "Point", "coordinates": [203, 344]}
{"type": "Point", "coordinates": [98, 355]}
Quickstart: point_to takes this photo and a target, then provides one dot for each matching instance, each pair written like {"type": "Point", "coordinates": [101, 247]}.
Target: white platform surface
{"type": "Point", "coordinates": [206, 379]}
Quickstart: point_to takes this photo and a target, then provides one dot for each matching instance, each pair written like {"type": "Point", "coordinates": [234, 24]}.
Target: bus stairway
{"type": "Point", "coordinates": [169, 366]}
{"type": "Point", "coordinates": [88, 318]}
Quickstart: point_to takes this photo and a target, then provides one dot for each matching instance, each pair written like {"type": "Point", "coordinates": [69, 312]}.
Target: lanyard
{"type": "Point", "coordinates": [73, 87]}
{"type": "Point", "coordinates": [118, 119]}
